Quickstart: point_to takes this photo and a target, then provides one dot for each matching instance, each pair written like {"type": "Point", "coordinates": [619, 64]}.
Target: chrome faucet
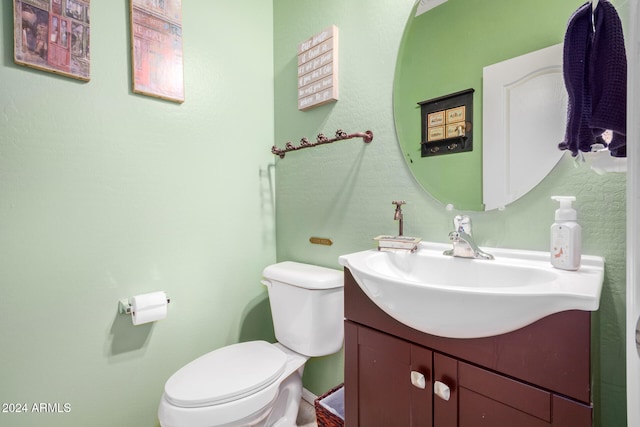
{"type": "Point", "coordinates": [463, 244]}
{"type": "Point", "coordinates": [397, 216]}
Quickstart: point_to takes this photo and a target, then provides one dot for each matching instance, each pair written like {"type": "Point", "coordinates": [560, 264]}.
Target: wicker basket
{"type": "Point", "coordinates": [324, 417]}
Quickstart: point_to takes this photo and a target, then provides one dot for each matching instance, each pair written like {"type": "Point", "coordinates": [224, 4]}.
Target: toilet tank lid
{"type": "Point", "coordinates": [304, 275]}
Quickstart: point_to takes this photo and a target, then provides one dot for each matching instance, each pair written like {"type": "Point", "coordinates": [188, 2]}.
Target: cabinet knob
{"type": "Point", "coordinates": [418, 379]}
{"type": "Point", "coordinates": [441, 390]}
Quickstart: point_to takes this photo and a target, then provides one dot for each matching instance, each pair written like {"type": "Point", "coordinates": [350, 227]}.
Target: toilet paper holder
{"type": "Point", "coordinates": [124, 306]}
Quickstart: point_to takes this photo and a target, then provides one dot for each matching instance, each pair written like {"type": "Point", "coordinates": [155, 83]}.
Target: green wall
{"type": "Point", "coordinates": [105, 194]}
{"type": "Point", "coordinates": [343, 191]}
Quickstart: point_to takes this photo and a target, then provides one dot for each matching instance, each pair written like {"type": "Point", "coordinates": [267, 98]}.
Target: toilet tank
{"type": "Point", "coordinates": [307, 307]}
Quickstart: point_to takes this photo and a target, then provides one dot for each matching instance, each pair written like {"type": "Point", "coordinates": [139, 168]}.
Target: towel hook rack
{"type": "Point", "coordinates": [341, 135]}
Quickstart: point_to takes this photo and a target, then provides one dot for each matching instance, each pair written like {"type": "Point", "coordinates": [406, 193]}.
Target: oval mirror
{"type": "Point", "coordinates": [445, 48]}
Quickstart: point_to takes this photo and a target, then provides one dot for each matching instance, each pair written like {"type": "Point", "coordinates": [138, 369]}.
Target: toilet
{"type": "Point", "coordinates": [257, 383]}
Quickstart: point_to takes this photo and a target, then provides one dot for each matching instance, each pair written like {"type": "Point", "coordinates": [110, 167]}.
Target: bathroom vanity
{"type": "Point", "coordinates": [538, 375]}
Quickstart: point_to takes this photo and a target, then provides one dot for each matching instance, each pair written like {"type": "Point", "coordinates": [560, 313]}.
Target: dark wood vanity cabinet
{"type": "Point", "coordinates": [536, 376]}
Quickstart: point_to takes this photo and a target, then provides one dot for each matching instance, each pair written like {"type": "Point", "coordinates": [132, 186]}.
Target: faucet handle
{"type": "Point", "coordinates": [398, 203]}
{"type": "Point", "coordinates": [462, 223]}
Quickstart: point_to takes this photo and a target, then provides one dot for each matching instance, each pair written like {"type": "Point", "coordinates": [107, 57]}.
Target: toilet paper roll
{"type": "Point", "coordinates": [148, 307]}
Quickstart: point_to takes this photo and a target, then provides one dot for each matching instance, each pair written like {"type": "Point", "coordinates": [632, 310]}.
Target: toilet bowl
{"type": "Point", "coordinates": [237, 385]}
{"type": "Point", "coordinates": [257, 383]}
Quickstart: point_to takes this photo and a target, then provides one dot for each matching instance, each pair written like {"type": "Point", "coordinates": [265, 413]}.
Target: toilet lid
{"type": "Point", "coordinates": [226, 374]}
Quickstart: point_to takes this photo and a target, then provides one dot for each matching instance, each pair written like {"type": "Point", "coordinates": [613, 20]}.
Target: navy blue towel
{"type": "Point", "coordinates": [577, 42]}
{"type": "Point", "coordinates": [595, 75]}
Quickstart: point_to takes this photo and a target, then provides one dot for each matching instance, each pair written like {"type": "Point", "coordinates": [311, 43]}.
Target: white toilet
{"type": "Point", "coordinates": [257, 383]}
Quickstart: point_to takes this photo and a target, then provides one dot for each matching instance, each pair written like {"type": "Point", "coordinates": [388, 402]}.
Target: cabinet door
{"type": "Point", "coordinates": [387, 380]}
{"type": "Point", "coordinates": [382, 388]}
{"type": "Point", "coordinates": [421, 397]}
{"type": "Point", "coordinates": [445, 400]}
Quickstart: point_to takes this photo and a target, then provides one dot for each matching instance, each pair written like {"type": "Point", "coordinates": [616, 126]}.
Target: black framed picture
{"type": "Point", "coordinates": [447, 124]}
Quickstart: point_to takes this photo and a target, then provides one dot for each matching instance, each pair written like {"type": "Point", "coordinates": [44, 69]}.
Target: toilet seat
{"type": "Point", "coordinates": [226, 374]}
{"type": "Point", "coordinates": [245, 410]}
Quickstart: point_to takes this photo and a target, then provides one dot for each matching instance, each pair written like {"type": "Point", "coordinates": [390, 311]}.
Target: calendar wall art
{"type": "Point", "coordinates": [156, 35]}
{"type": "Point", "coordinates": [54, 36]}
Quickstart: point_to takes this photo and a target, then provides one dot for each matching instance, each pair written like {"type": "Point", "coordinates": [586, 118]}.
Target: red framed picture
{"type": "Point", "coordinates": [156, 36]}
{"type": "Point", "coordinates": [54, 36]}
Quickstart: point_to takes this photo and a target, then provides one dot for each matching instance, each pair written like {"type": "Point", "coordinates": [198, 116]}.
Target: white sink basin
{"type": "Point", "coordinates": [472, 298]}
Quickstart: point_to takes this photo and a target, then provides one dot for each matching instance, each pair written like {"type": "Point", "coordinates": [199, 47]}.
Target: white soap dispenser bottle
{"type": "Point", "coordinates": [566, 236]}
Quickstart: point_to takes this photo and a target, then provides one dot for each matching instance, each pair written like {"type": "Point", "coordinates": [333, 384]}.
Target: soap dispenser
{"type": "Point", "coordinates": [566, 236]}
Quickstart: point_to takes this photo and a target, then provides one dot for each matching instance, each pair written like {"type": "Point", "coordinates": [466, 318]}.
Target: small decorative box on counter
{"type": "Point", "coordinates": [387, 243]}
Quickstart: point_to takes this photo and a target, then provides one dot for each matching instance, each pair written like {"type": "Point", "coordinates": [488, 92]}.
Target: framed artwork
{"type": "Point", "coordinates": [53, 35]}
{"type": "Point", "coordinates": [156, 37]}
{"type": "Point", "coordinates": [447, 124]}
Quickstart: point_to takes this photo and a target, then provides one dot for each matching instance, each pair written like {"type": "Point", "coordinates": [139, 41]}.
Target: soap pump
{"type": "Point", "coordinates": [566, 236]}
